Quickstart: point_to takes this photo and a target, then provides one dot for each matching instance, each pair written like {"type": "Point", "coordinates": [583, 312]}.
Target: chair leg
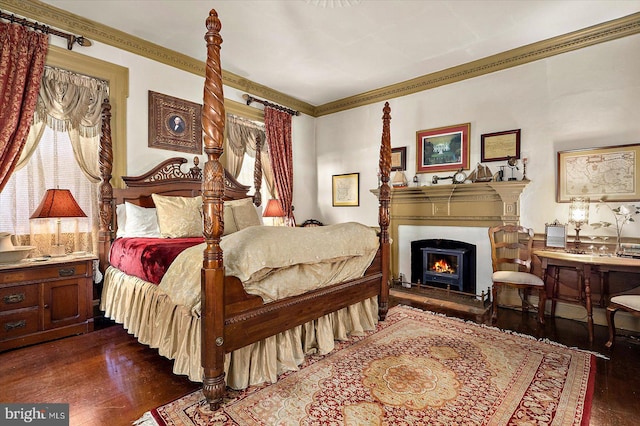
{"type": "Point", "coordinates": [542, 300]}
{"type": "Point", "coordinates": [494, 295]}
{"type": "Point", "coordinates": [554, 296]}
{"type": "Point", "coordinates": [611, 311]}
{"type": "Point", "coordinates": [525, 300]}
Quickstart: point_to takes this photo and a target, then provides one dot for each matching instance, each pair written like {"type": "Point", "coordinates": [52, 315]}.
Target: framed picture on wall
{"type": "Point", "coordinates": [611, 173]}
{"type": "Point", "coordinates": [174, 124]}
{"type": "Point", "coordinates": [346, 190]}
{"type": "Point", "coordinates": [399, 158]}
{"type": "Point", "coordinates": [500, 146]}
{"type": "Point", "coordinates": [443, 148]}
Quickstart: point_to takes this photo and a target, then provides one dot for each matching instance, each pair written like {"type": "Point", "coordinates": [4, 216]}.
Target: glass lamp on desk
{"type": "Point", "coordinates": [578, 216]}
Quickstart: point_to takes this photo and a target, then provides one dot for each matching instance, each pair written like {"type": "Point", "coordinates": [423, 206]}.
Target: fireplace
{"type": "Point", "coordinates": [444, 263]}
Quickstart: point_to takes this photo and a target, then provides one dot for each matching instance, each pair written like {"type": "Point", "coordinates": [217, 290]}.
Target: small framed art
{"type": "Point", "coordinates": [174, 124]}
{"type": "Point", "coordinates": [500, 146]}
{"type": "Point", "coordinates": [610, 173]}
{"type": "Point", "coordinates": [555, 235]}
{"type": "Point", "coordinates": [346, 190]}
{"type": "Point", "coordinates": [443, 149]}
{"type": "Point", "coordinates": [399, 158]}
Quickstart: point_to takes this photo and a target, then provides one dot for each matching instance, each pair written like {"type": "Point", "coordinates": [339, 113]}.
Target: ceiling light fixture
{"type": "Point", "coordinates": [333, 3]}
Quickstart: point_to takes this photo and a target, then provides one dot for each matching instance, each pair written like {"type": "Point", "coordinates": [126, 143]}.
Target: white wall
{"type": "Point", "coordinates": [585, 98]}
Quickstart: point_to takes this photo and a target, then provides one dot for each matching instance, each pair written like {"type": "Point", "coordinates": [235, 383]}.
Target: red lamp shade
{"type": "Point", "coordinates": [273, 209]}
{"type": "Point", "coordinates": [58, 203]}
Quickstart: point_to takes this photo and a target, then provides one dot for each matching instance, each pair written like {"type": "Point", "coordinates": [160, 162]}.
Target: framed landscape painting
{"type": "Point", "coordinates": [443, 149]}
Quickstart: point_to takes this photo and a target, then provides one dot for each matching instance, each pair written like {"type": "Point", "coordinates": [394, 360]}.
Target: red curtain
{"type": "Point", "coordinates": [277, 126]}
{"type": "Point", "coordinates": [22, 57]}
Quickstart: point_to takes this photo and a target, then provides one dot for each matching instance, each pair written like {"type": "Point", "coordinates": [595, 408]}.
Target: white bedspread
{"type": "Point", "coordinates": [278, 262]}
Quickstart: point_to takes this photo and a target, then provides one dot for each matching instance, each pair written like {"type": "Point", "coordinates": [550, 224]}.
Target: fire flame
{"type": "Point", "coordinates": [443, 267]}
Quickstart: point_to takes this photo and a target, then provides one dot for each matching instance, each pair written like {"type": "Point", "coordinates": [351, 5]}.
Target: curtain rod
{"type": "Point", "coordinates": [71, 39]}
{"type": "Point", "coordinates": [250, 99]}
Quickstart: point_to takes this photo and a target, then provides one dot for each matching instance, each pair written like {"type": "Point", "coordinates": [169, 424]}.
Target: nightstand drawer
{"type": "Point", "coordinates": [44, 273]}
{"type": "Point", "coordinates": [19, 297]}
{"type": "Point", "coordinates": [18, 323]}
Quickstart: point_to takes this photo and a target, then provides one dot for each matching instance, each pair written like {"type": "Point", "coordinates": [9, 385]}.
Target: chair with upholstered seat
{"type": "Point", "coordinates": [511, 252]}
{"type": "Point", "coordinates": [626, 302]}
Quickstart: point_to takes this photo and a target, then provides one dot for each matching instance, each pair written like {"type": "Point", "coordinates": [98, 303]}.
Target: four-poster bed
{"type": "Point", "coordinates": [226, 318]}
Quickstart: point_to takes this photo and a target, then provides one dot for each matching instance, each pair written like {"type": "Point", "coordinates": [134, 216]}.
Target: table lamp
{"type": "Point", "coordinates": [578, 215]}
{"type": "Point", "coordinates": [274, 210]}
{"type": "Point", "coordinates": [56, 204]}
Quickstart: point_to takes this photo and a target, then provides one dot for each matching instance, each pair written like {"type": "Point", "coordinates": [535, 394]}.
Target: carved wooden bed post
{"type": "Point", "coordinates": [212, 275]}
{"type": "Point", "coordinates": [383, 209]}
{"type": "Point", "coordinates": [105, 194]}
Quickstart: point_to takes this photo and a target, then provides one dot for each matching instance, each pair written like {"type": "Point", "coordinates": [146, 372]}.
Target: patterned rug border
{"type": "Point", "coordinates": [515, 333]}
{"type": "Point", "coordinates": [153, 417]}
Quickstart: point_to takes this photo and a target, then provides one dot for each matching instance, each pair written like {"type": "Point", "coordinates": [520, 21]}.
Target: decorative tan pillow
{"type": "Point", "coordinates": [229, 222]}
{"type": "Point", "coordinates": [179, 217]}
{"type": "Point", "coordinates": [139, 221]}
{"type": "Point", "coordinates": [244, 213]}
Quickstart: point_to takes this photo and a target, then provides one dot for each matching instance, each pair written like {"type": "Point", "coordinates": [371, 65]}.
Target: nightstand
{"type": "Point", "coordinates": [45, 300]}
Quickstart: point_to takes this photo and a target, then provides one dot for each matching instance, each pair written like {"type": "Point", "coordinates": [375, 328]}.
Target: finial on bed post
{"type": "Point", "coordinates": [105, 194]}
{"type": "Point", "coordinates": [212, 276]}
{"type": "Point", "coordinates": [383, 212]}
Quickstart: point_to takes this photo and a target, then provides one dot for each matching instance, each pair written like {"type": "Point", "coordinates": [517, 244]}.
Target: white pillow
{"type": "Point", "coordinates": [121, 220]}
{"type": "Point", "coordinates": [140, 221]}
{"type": "Point", "coordinates": [179, 217]}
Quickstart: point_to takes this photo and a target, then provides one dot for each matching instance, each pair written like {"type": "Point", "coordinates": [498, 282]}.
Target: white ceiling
{"type": "Point", "coordinates": [320, 51]}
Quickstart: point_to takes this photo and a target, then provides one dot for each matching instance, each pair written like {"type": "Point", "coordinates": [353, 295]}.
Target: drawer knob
{"type": "Point", "coordinates": [16, 324]}
{"type": "Point", "coordinates": [13, 298]}
{"type": "Point", "coordinates": [66, 272]}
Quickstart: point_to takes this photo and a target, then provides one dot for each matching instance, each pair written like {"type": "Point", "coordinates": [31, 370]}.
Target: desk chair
{"type": "Point", "coordinates": [626, 302]}
{"type": "Point", "coordinates": [511, 251]}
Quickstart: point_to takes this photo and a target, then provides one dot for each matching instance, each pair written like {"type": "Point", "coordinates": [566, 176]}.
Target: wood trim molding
{"type": "Point", "coordinates": [95, 31]}
{"type": "Point", "coordinates": [600, 33]}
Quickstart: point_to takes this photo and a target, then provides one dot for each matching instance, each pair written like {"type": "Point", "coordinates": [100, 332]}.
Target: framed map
{"type": "Point", "coordinates": [346, 190]}
{"type": "Point", "coordinates": [609, 173]}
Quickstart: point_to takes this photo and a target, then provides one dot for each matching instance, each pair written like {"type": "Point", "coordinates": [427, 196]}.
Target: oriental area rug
{"type": "Point", "coordinates": [416, 368]}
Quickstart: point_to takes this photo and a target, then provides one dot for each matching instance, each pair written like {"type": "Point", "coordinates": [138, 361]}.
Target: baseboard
{"type": "Point", "coordinates": [574, 311]}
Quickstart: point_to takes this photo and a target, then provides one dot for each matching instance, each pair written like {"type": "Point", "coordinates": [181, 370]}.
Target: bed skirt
{"type": "Point", "coordinates": [149, 314]}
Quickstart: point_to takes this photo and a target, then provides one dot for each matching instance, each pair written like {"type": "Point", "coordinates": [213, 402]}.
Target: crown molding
{"type": "Point", "coordinates": [607, 31]}
{"type": "Point", "coordinates": [600, 33]}
{"type": "Point", "coordinates": [95, 31]}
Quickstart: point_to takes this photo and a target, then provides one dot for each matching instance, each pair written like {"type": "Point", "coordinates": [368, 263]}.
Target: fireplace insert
{"type": "Point", "coordinates": [444, 263]}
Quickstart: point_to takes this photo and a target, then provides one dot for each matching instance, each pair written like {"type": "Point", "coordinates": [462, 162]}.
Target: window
{"type": "Point", "coordinates": [52, 165]}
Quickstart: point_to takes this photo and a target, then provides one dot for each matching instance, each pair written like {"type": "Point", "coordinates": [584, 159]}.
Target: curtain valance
{"type": "Point", "coordinates": [70, 101]}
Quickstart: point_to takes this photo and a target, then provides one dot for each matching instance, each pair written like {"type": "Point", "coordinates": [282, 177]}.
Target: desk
{"type": "Point", "coordinates": [584, 264]}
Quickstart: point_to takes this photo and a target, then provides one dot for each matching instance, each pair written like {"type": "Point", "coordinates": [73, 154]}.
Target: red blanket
{"type": "Point", "coordinates": [148, 258]}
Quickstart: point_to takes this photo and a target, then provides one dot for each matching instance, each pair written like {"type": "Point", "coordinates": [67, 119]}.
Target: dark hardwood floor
{"type": "Point", "coordinates": [110, 379]}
